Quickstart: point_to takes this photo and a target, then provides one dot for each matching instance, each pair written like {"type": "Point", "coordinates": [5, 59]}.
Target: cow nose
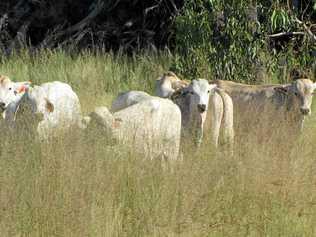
{"type": "Point", "coordinates": [305, 111]}
{"type": "Point", "coordinates": [201, 107]}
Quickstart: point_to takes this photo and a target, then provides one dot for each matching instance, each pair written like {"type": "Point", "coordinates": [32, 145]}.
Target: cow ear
{"type": "Point", "coordinates": [281, 89]}
{"type": "Point", "coordinates": [3, 78]}
{"type": "Point", "coordinates": [117, 123]}
{"type": "Point", "coordinates": [22, 86]}
{"type": "Point", "coordinates": [49, 106]}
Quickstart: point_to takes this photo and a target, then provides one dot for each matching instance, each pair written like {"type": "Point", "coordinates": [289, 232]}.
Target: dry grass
{"type": "Point", "coordinates": [78, 186]}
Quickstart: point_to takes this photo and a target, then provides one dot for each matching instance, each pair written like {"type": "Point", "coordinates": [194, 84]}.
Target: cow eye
{"type": "Point", "coordinates": [10, 88]}
{"type": "Point", "coordinates": [296, 93]}
{"type": "Point", "coordinates": [208, 91]}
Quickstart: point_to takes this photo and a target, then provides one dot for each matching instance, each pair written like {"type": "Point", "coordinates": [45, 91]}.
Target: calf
{"type": "Point", "coordinates": [193, 102]}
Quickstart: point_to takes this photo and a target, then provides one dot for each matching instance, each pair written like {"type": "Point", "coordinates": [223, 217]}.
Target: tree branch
{"type": "Point", "coordinates": [3, 21]}
{"type": "Point", "coordinates": [49, 41]}
{"type": "Point", "coordinates": [20, 39]}
{"type": "Point", "coordinates": [308, 31]}
{"type": "Point", "coordinates": [286, 34]}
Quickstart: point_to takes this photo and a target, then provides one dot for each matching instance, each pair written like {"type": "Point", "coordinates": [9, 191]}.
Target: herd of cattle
{"type": "Point", "coordinates": [155, 126]}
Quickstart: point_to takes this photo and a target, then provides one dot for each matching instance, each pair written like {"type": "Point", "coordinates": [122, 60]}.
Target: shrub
{"type": "Point", "coordinates": [231, 40]}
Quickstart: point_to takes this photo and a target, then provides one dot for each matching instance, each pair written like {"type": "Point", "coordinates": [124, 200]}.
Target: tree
{"type": "Point", "coordinates": [241, 40]}
{"type": "Point", "coordinates": [108, 24]}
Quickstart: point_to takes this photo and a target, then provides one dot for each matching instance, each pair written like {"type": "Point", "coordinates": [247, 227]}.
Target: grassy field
{"type": "Point", "coordinates": [77, 186]}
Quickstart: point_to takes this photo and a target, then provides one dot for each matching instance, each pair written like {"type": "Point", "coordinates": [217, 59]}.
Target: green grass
{"type": "Point", "coordinates": [78, 186]}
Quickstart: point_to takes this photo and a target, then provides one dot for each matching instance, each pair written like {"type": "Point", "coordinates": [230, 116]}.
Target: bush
{"type": "Point", "coordinates": [216, 38]}
{"type": "Point", "coordinates": [230, 40]}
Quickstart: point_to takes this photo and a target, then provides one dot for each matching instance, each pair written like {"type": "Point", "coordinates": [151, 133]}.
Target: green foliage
{"type": "Point", "coordinates": [227, 40]}
{"type": "Point", "coordinates": [280, 20]}
{"type": "Point", "coordinates": [217, 38]}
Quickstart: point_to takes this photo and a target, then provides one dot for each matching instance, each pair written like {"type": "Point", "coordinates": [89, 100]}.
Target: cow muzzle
{"type": "Point", "coordinates": [305, 111]}
{"type": "Point", "coordinates": [201, 108]}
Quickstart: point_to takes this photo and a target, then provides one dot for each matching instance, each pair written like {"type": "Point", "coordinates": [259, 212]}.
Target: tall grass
{"type": "Point", "coordinates": [78, 186]}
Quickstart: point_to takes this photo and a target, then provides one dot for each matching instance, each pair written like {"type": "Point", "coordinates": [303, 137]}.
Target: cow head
{"type": "Point", "coordinates": [28, 109]}
{"type": "Point", "coordinates": [11, 91]}
{"type": "Point", "coordinates": [198, 93]}
{"type": "Point", "coordinates": [300, 93]}
{"type": "Point", "coordinates": [104, 122]}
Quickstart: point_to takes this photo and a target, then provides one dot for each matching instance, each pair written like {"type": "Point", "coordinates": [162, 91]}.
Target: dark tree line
{"type": "Point", "coordinates": [109, 24]}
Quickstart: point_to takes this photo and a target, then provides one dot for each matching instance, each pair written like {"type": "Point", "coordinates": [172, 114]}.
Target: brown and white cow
{"type": "Point", "coordinates": [269, 112]}
{"type": "Point", "coordinates": [168, 84]}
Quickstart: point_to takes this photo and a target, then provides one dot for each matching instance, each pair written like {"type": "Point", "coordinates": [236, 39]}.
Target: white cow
{"type": "Point", "coordinates": [48, 108]}
{"type": "Point", "coordinates": [151, 127]}
{"type": "Point", "coordinates": [205, 110]}
{"type": "Point", "coordinates": [220, 108]}
{"type": "Point", "coordinates": [193, 102]}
